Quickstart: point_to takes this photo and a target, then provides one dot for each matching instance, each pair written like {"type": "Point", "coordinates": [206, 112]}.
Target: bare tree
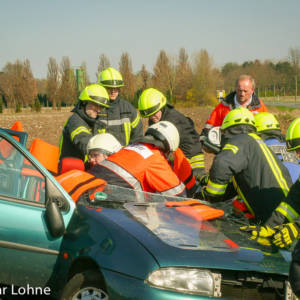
{"type": "Point", "coordinates": [294, 57]}
{"type": "Point", "coordinates": [67, 91]}
{"type": "Point", "coordinates": [143, 81]}
{"type": "Point", "coordinates": [29, 90]}
{"type": "Point", "coordinates": [125, 67]}
{"type": "Point", "coordinates": [53, 81]}
{"type": "Point", "coordinates": [86, 79]}
{"type": "Point", "coordinates": [161, 72]}
{"type": "Point", "coordinates": [184, 74]}
{"type": "Point", "coordinates": [204, 81]}
{"type": "Point", "coordinates": [164, 74]}
{"type": "Point", "coordinates": [144, 74]}
{"type": "Point", "coordinates": [7, 84]}
{"type": "Point", "coordinates": [103, 64]}
{"type": "Point", "coordinates": [18, 84]}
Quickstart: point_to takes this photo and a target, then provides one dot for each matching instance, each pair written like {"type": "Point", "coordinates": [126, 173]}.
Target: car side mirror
{"type": "Point", "coordinates": [54, 219]}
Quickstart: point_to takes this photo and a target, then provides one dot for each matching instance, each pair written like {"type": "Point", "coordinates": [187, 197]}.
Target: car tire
{"type": "Point", "coordinates": [85, 285]}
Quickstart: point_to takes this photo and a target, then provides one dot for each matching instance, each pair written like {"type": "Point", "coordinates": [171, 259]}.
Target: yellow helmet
{"type": "Point", "coordinates": [238, 116]}
{"type": "Point", "coordinates": [150, 102]}
{"type": "Point", "coordinates": [266, 121]}
{"type": "Point", "coordinates": [95, 93]}
{"type": "Point", "coordinates": [110, 77]}
{"type": "Point", "coordinates": [293, 135]}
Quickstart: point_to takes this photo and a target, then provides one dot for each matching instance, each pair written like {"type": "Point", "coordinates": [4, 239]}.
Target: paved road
{"type": "Point", "coordinates": [287, 104]}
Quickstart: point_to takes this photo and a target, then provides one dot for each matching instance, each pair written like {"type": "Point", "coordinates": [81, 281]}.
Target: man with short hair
{"type": "Point", "coordinates": [243, 96]}
{"type": "Point", "coordinates": [100, 147]}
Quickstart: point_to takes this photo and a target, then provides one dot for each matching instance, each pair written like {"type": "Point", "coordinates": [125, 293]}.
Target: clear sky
{"type": "Point", "coordinates": [230, 30]}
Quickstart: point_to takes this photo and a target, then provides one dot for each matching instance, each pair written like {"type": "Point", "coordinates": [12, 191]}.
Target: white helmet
{"type": "Point", "coordinates": [105, 142]}
{"type": "Point", "coordinates": [167, 133]}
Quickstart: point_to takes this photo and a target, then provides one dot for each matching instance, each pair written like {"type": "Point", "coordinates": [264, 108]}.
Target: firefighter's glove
{"type": "Point", "coordinates": [204, 180]}
{"type": "Point", "coordinates": [199, 193]}
{"type": "Point", "coordinates": [285, 235]}
{"type": "Point", "coordinates": [260, 234]}
{"type": "Point", "coordinates": [259, 231]}
{"type": "Point", "coordinates": [199, 173]}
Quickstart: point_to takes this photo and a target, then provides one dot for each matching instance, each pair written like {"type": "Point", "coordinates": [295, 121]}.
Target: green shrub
{"type": "Point", "coordinates": [1, 105]}
{"type": "Point", "coordinates": [37, 105]}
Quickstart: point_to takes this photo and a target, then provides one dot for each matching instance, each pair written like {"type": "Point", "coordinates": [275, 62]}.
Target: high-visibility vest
{"type": "Point", "coordinates": [77, 182]}
{"type": "Point", "coordinates": [144, 168]}
{"type": "Point", "coordinates": [183, 170]}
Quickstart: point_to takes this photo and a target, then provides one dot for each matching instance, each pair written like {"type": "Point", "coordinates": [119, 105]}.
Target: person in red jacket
{"type": "Point", "coordinates": [243, 96]}
{"type": "Point", "coordinates": [144, 166]}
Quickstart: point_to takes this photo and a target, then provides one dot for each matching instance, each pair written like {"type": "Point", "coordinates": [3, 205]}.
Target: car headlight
{"type": "Point", "coordinates": [187, 280]}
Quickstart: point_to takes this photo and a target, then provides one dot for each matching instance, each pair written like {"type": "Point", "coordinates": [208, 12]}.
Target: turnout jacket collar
{"type": "Point", "coordinates": [269, 134]}
{"type": "Point", "coordinates": [81, 112]}
{"type": "Point", "coordinates": [229, 101]}
{"type": "Point", "coordinates": [116, 102]}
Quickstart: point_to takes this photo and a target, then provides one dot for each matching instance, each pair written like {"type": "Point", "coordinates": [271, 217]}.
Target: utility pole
{"type": "Point", "coordinates": [296, 90]}
{"type": "Point", "coordinates": [79, 79]}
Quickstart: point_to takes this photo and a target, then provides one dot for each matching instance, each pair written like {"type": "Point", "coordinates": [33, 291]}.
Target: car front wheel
{"type": "Point", "coordinates": [85, 286]}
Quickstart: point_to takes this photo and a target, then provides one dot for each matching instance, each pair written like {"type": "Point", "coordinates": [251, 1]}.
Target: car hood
{"type": "Point", "coordinates": [175, 239]}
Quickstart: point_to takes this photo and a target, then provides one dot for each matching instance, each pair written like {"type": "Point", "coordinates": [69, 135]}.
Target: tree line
{"type": "Point", "coordinates": [188, 80]}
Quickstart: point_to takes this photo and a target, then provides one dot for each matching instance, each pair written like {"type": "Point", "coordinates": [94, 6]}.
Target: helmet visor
{"type": "Point", "coordinates": [112, 83]}
{"type": "Point", "coordinates": [150, 111]}
{"type": "Point", "coordinates": [93, 153]}
{"type": "Point", "coordinates": [100, 100]}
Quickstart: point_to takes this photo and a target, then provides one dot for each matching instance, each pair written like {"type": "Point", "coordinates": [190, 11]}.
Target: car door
{"type": "Point", "coordinates": [28, 251]}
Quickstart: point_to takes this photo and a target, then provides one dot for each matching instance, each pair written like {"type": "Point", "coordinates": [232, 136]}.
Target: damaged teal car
{"type": "Point", "coordinates": [116, 243]}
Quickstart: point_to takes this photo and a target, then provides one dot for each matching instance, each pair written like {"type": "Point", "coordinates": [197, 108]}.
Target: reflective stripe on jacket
{"type": "Point", "coordinates": [76, 134]}
{"type": "Point", "coordinates": [290, 207]}
{"type": "Point", "coordinates": [289, 159]}
{"type": "Point", "coordinates": [122, 120]}
{"type": "Point", "coordinates": [76, 183]}
{"type": "Point", "coordinates": [260, 178]}
{"type": "Point", "coordinates": [142, 167]}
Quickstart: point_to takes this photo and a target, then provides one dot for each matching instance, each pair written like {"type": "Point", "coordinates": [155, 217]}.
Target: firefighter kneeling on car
{"type": "Point", "coordinates": [283, 227]}
{"type": "Point", "coordinates": [246, 167]}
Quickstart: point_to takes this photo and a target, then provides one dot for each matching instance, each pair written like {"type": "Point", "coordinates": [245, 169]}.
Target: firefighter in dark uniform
{"type": "Point", "coordinates": [282, 227]}
{"type": "Point", "coordinates": [153, 104]}
{"type": "Point", "coordinates": [121, 119]}
{"type": "Point", "coordinates": [82, 125]}
{"type": "Point", "coordinates": [258, 176]}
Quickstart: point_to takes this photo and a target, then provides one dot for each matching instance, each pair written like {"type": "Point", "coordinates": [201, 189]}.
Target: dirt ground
{"type": "Point", "coordinates": [48, 124]}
